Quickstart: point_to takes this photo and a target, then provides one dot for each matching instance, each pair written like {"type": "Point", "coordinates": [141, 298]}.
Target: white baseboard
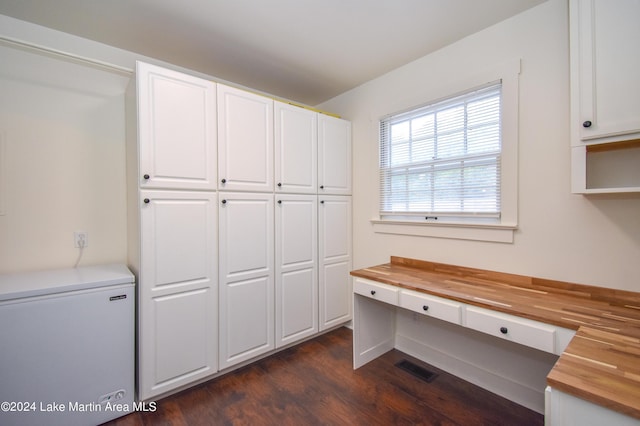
{"type": "Point", "coordinates": [500, 385]}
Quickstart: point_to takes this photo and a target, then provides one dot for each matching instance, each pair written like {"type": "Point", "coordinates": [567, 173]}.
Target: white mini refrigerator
{"type": "Point", "coordinates": [67, 346]}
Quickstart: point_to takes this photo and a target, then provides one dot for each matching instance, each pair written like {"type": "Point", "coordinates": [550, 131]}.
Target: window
{"type": "Point", "coordinates": [442, 161]}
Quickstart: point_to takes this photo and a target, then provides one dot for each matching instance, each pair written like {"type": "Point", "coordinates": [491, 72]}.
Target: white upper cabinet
{"type": "Point", "coordinates": [176, 124]}
{"type": "Point", "coordinates": [245, 141]}
{"type": "Point", "coordinates": [296, 146]}
{"type": "Point", "coordinates": [605, 96]}
{"type": "Point", "coordinates": [605, 60]}
{"type": "Point", "coordinates": [334, 155]}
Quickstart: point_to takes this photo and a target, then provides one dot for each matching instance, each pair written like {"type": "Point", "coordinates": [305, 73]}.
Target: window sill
{"type": "Point", "coordinates": [498, 233]}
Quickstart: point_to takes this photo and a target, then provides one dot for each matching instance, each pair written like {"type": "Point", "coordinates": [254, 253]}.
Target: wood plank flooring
{"type": "Point", "coordinates": [314, 384]}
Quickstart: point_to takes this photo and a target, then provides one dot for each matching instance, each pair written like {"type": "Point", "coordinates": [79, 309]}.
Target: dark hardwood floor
{"type": "Point", "coordinates": [314, 384]}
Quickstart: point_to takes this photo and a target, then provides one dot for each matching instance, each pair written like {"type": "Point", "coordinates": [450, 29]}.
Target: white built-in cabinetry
{"type": "Point", "coordinates": [171, 168]}
{"type": "Point", "coordinates": [334, 220]}
{"type": "Point", "coordinates": [245, 140]}
{"type": "Point", "coordinates": [296, 149]}
{"type": "Point", "coordinates": [296, 267]}
{"type": "Point", "coordinates": [605, 96]}
{"type": "Point", "coordinates": [562, 409]}
{"type": "Point", "coordinates": [334, 233]}
{"type": "Point", "coordinates": [307, 288]}
{"type": "Point", "coordinates": [246, 276]}
{"type": "Point", "coordinates": [374, 329]}
{"type": "Point", "coordinates": [240, 225]}
{"type": "Point", "coordinates": [334, 156]}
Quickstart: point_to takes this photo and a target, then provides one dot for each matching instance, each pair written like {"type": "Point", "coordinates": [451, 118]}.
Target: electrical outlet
{"type": "Point", "coordinates": [81, 239]}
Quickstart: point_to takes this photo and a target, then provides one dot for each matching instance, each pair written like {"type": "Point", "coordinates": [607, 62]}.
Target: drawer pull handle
{"type": "Point", "coordinates": [504, 330]}
{"type": "Point", "coordinates": [425, 308]}
{"type": "Point", "coordinates": [373, 292]}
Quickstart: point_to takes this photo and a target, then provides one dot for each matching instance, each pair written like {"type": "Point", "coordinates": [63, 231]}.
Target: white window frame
{"type": "Point", "coordinates": [499, 230]}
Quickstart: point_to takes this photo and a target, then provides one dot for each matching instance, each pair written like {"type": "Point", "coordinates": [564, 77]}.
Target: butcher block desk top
{"type": "Point", "coordinates": [601, 363]}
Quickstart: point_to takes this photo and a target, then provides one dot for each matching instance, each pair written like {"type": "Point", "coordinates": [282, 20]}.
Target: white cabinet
{"type": "Point", "coordinates": [519, 330]}
{"type": "Point", "coordinates": [172, 221]}
{"type": "Point", "coordinates": [334, 155]}
{"type": "Point", "coordinates": [562, 409]}
{"type": "Point", "coordinates": [376, 291]}
{"type": "Point", "coordinates": [432, 306]}
{"type": "Point", "coordinates": [605, 96]}
{"type": "Point", "coordinates": [177, 292]}
{"type": "Point", "coordinates": [296, 236]}
{"type": "Point", "coordinates": [374, 323]}
{"type": "Point", "coordinates": [334, 234]}
{"type": "Point", "coordinates": [245, 140]}
{"type": "Point", "coordinates": [246, 276]}
{"type": "Point", "coordinates": [176, 129]}
{"type": "Point", "coordinates": [296, 146]}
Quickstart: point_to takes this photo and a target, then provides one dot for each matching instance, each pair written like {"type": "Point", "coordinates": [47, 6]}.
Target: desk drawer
{"type": "Point", "coordinates": [432, 306]}
{"type": "Point", "coordinates": [519, 330]}
{"type": "Point", "coordinates": [378, 291]}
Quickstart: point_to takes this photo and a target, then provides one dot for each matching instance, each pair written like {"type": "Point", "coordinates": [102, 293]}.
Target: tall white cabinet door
{"type": "Point", "coordinates": [177, 320]}
{"type": "Point", "coordinates": [334, 155]}
{"type": "Point", "coordinates": [245, 140]}
{"type": "Point", "coordinates": [296, 267]}
{"type": "Point", "coordinates": [604, 67]}
{"type": "Point", "coordinates": [246, 276]}
{"type": "Point", "coordinates": [296, 149]}
{"type": "Point", "coordinates": [176, 129]}
{"type": "Point", "coordinates": [334, 233]}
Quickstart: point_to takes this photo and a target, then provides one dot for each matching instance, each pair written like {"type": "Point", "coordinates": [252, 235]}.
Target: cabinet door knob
{"type": "Point", "coordinates": [146, 201]}
{"type": "Point", "coordinates": [224, 201]}
{"type": "Point", "coordinates": [223, 181]}
{"type": "Point", "coordinates": [279, 184]}
{"type": "Point", "coordinates": [146, 177]}
{"type": "Point", "coordinates": [322, 202]}
{"type": "Point", "coordinates": [321, 186]}
{"type": "Point", "coordinates": [279, 201]}
{"type": "Point", "coordinates": [373, 292]}
{"type": "Point", "coordinates": [425, 308]}
{"type": "Point", "coordinates": [504, 330]}
{"type": "Point", "coordinates": [586, 124]}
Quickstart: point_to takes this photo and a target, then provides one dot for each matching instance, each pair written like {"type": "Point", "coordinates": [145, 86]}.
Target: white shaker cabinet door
{"type": "Point", "coordinates": [177, 317]}
{"type": "Point", "coordinates": [334, 155]}
{"type": "Point", "coordinates": [296, 149]}
{"type": "Point", "coordinates": [176, 123]}
{"type": "Point", "coordinates": [604, 66]}
{"type": "Point", "coordinates": [296, 267]}
{"type": "Point", "coordinates": [245, 140]}
{"type": "Point", "coordinates": [334, 233]}
{"type": "Point", "coordinates": [246, 276]}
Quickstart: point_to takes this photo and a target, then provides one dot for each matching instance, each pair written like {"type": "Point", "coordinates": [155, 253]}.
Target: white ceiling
{"type": "Point", "coordinates": [303, 50]}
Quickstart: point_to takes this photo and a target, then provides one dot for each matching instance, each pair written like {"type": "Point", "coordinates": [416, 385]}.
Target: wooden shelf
{"type": "Point", "coordinates": [614, 146]}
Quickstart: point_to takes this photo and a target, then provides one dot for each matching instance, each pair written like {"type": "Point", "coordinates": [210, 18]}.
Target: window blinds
{"type": "Point", "coordinates": [443, 159]}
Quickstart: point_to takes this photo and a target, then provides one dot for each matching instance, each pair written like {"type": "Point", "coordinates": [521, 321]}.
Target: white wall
{"type": "Point", "coordinates": [590, 240]}
{"type": "Point", "coordinates": [63, 130]}
{"type": "Point", "coordinates": [62, 124]}
{"type": "Point", "coordinates": [62, 167]}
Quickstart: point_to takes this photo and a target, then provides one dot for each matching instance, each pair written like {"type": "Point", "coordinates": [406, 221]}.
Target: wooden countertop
{"type": "Point", "coordinates": [601, 363]}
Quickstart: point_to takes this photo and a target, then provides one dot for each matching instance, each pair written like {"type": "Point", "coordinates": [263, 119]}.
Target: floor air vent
{"type": "Point", "coordinates": [416, 370]}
